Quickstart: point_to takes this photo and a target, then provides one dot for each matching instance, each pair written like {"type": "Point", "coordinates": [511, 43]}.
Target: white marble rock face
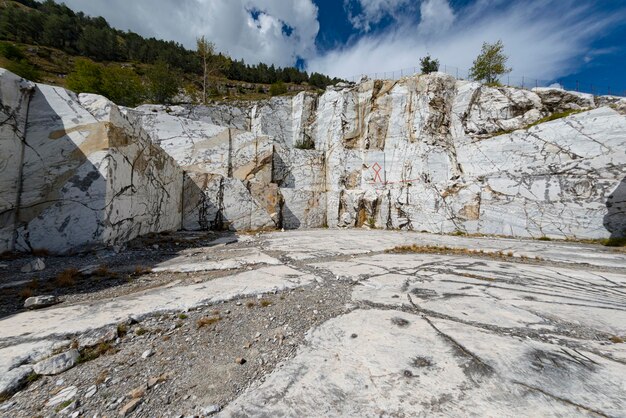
{"type": "Point", "coordinates": [213, 201]}
{"type": "Point", "coordinates": [457, 156]}
{"type": "Point", "coordinates": [425, 153]}
{"type": "Point", "coordinates": [90, 177]}
{"type": "Point", "coordinates": [14, 97]}
{"type": "Point", "coordinates": [227, 171]}
{"type": "Point", "coordinates": [431, 153]}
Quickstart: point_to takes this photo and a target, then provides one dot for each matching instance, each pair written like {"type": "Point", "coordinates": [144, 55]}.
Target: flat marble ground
{"type": "Point", "coordinates": [483, 327]}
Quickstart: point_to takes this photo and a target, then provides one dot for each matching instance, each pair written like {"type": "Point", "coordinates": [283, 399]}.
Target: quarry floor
{"type": "Point", "coordinates": [321, 323]}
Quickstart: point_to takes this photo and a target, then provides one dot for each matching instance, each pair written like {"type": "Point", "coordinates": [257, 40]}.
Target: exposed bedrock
{"type": "Point", "coordinates": [431, 153]}
{"type": "Point", "coordinates": [78, 173]}
{"type": "Point", "coordinates": [426, 153]}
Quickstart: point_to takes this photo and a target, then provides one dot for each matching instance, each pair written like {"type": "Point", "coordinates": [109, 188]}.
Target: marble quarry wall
{"type": "Point", "coordinates": [431, 153]}
{"type": "Point", "coordinates": [426, 153]}
{"type": "Point", "coordinates": [77, 174]}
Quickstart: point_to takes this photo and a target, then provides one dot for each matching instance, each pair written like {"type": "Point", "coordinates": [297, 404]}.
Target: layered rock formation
{"type": "Point", "coordinates": [76, 173]}
{"type": "Point", "coordinates": [427, 153]}
{"type": "Point", "coordinates": [435, 154]}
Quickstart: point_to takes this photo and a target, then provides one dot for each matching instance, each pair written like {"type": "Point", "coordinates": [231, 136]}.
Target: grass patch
{"type": "Point", "coordinates": [141, 270]}
{"type": "Point", "coordinates": [250, 304]}
{"type": "Point", "coordinates": [477, 277]}
{"type": "Point", "coordinates": [555, 116]}
{"type": "Point", "coordinates": [616, 340]}
{"type": "Point", "coordinates": [33, 377]}
{"type": "Point", "coordinates": [550, 118]}
{"type": "Point", "coordinates": [544, 239]}
{"type": "Point", "coordinates": [29, 289]}
{"type": "Point", "coordinates": [102, 376]}
{"type": "Point", "coordinates": [93, 353]}
{"type": "Point", "coordinates": [265, 303]}
{"type": "Point", "coordinates": [206, 321]}
{"type": "Point", "coordinates": [614, 242]}
{"type": "Point", "coordinates": [502, 132]}
{"type": "Point", "coordinates": [9, 255]}
{"type": "Point", "coordinates": [68, 277]}
{"type": "Point", "coordinates": [122, 330]}
{"type": "Point", "coordinates": [431, 249]}
{"type": "Point", "coordinates": [104, 271]}
{"type": "Point", "coordinates": [140, 331]}
{"type": "Point", "coordinates": [26, 292]}
{"type": "Point", "coordinates": [182, 316]}
{"type": "Point", "coordinates": [64, 405]}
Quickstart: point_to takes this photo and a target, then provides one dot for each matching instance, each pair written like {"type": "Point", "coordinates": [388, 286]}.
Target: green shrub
{"type": "Point", "coordinates": [615, 242]}
{"type": "Point", "coordinates": [86, 77]}
{"type": "Point", "coordinates": [278, 88]}
{"type": "Point", "coordinates": [24, 69]}
{"type": "Point", "coordinates": [429, 65]}
{"type": "Point", "coordinates": [164, 83]}
{"type": "Point", "coordinates": [306, 143]}
{"type": "Point", "coordinates": [122, 86]}
{"type": "Point", "coordinates": [11, 52]}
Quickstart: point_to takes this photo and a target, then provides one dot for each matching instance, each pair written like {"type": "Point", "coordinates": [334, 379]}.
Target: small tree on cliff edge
{"type": "Point", "coordinates": [490, 64]}
{"type": "Point", "coordinates": [212, 64]}
{"type": "Point", "coordinates": [429, 65]}
{"type": "Point", "coordinates": [206, 50]}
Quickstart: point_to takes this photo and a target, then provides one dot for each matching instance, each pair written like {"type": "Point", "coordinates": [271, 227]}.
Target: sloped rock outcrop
{"type": "Point", "coordinates": [80, 172]}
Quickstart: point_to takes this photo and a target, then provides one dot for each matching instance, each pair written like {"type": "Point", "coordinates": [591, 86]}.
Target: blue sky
{"type": "Point", "coordinates": [552, 40]}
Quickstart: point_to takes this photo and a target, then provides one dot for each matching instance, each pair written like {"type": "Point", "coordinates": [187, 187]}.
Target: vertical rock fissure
{"type": "Point", "coordinates": [230, 154]}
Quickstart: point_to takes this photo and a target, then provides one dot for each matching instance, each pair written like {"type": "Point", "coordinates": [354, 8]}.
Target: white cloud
{"type": "Point", "coordinates": [371, 12]}
{"type": "Point", "coordinates": [228, 23]}
{"type": "Point", "coordinates": [544, 39]}
{"type": "Point", "coordinates": [436, 16]}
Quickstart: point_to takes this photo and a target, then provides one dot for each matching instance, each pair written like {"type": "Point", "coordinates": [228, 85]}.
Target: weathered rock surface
{"type": "Point", "coordinates": [65, 395]}
{"type": "Point", "coordinates": [34, 265]}
{"type": "Point", "coordinates": [227, 172]}
{"type": "Point", "coordinates": [426, 153]}
{"type": "Point", "coordinates": [482, 326]}
{"type": "Point", "coordinates": [436, 154]}
{"type": "Point", "coordinates": [97, 336]}
{"type": "Point", "coordinates": [12, 380]}
{"type": "Point", "coordinates": [39, 302]}
{"type": "Point", "coordinates": [79, 179]}
{"type": "Point", "coordinates": [57, 364]}
{"type": "Point", "coordinates": [15, 95]}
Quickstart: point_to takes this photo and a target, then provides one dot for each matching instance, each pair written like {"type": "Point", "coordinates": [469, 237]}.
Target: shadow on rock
{"type": "Point", "coordinates": [615, 219]}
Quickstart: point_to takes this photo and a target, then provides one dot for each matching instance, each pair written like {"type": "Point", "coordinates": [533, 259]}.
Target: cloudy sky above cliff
{"type": "Point", "coordinates": [545, 39]}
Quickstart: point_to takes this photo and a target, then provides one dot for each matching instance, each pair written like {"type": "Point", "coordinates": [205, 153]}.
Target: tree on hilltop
{"type": "Point", "coordinates": [429, 65]}
{"type": "Point", "coordinates": [490, 64]}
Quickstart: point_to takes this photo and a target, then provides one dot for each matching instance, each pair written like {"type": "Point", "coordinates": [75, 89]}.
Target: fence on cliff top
{"type": "Point", "coordinates": [505, 80]}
